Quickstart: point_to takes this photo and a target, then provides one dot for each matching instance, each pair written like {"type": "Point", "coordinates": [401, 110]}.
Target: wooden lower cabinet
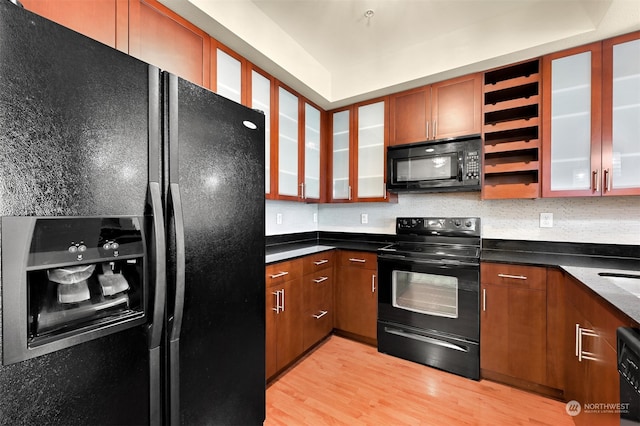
{"type": "Point", "coordinates": [513, 324]}
{"type": "Point", "coordinates": [591, 373]}
{"type": "Point", "coordinates": [283, 304]}
{"type": "Point", "coordinates": [317, 285]}
{"type": "Point", "coordinates": [356, 295]}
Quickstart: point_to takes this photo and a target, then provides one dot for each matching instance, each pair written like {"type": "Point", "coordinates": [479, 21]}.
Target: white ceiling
{"type": "Point", "coordinates": [330, 52]}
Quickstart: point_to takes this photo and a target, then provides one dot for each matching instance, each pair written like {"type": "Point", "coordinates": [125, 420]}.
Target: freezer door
{"type": "Point", "coordinates": [73, 142]}
{"type": "Point", "coordinates": [215, 201]}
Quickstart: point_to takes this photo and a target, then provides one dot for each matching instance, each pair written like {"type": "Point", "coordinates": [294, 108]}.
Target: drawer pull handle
{"type": "Point", "coordinates": [278, 275]}
{"type": "Point", "coordinates": [355, 259]}
{"type": "Point", "coordinates": [321, 279]}
{"type": "Point", "coordinates": [321, 262]}
{"type": "Point", "coordinates": [515, 277]}
{"type": "Point", "coordinates": [321, 314]}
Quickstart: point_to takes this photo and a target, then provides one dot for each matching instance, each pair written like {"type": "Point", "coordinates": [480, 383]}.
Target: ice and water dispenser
{"type": "Point", "coordinates": [68, 280]}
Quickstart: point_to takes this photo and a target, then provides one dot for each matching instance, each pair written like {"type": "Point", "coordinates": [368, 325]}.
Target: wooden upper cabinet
{"type": "Point", "coordinates": [228, 73]}
{"type": "Point", "coordinates": [621, 115]}
{"type": "Point", "coordinates": [442, 110]}
{"type": "Point", "coordinates": [102, 20]}
{"type": "Point", "coordinates": [410, 116]}
{"type": "Point", "coordinates": [358, 148]}
{"type": "Point", "coordinates": [164, 39]}
{"type": "Point", "coordinates": [591, 104]}
{"type": "Point", "coordinates": [457, 106]}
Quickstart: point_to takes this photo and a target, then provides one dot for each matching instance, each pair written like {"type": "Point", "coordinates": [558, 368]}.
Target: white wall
{"type": "Point", "coordinates": [614, 220]}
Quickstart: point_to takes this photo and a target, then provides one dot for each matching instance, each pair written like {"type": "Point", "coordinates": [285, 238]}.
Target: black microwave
{"type": "Point", "coordinates": [444, 165]}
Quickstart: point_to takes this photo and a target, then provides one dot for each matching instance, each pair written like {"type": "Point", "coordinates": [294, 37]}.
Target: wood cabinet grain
{"type": "Point", "coordinates": [356, 295]}
{"type": "Point", "coordinates": [284, 299]}
{"type": "Point", "coordinates": [513, 332]}
{"type": "Point", "coordinates": [591, 374]}
{"type": "Point", "coordinates": [164, 39]}
{"type": "Point", "coordinates": [102, 20]}
{"type": "Point", "coordinates": [445, 109]}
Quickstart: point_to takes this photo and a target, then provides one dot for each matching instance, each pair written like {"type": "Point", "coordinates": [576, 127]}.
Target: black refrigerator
{"type": "Point", "coordinates": [132, 207]}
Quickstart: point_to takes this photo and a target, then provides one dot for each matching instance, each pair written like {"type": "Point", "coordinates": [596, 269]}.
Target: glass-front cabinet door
{"type": "Point", "coordinates": [371, 142]}
{"type": "Point", "coordinates": [311, 183]}
{"type": "Point", "coordinates": [261, 100]}
{"type": "Point", "coordinates": [621, 115]}
{"type": "Point", "coordinates": [591, 133]}
{"type": "Point", "coordinates": [341, 156]}
{"type": "Point", "coordinates": [228, 76]}
{"type": "Point", "coordinates": [288, 144]}
{"type": "Point", "coordinates": [572, 130]}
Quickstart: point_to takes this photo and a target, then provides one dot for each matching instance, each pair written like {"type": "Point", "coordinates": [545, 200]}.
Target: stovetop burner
{"type": "Point", "coordinates": [456, 238]}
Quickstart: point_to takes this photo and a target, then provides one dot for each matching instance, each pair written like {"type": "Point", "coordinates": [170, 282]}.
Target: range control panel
{"type": "Point", "coordinates": [438, 225]}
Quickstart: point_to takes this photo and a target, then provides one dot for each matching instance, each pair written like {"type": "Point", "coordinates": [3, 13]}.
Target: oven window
{"type": "Point", "coordinates": [426, 168]}
{"type": "Point", "coordinates": [425, 293]}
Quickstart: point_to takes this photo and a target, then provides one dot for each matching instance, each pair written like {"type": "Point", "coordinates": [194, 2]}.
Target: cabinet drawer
{"type": "Point", "coordinates": [531, 277]}
{"type": "Point", "coordinates": [316, 262]}
{"type": "Point", "coordinates": [359, 259]}
{"type": "Point", "coordinates": [318, 291]}
{"type": "Point", "coordinates": [317, 325]}
{"type": "Point", "coordinates": [282, 272]}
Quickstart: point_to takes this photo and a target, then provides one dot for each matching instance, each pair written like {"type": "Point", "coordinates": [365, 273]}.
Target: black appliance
{"type": "Point", "coordinates": [444, 165]}
{"type": "Point", "coordinates": [132, 207]}
{"type": "Point", "coordinates": [428, 300]}
{"type": "Point", "coordinates": [629, 370]}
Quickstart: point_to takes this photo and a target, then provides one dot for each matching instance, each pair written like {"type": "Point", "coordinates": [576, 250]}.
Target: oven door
{"type": "Point", "coordinates": [430, 295]}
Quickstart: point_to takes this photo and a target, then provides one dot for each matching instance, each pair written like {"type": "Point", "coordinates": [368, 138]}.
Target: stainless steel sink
{"type": "Point", "coordinates": [627, 282]}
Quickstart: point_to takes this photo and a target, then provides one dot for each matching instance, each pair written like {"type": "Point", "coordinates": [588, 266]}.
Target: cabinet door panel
{"type": "Point", "coordinates": [410, 116]}
{"type": "Point", "coordinates": [494, 321]}
{"type": "Point", "coordinates": [101, 20]}
{"type": "Point", "coordinates": [312, 150]}
{"type": "Point", "coordinates": [457, 107]}
{"type": "Point", "coordinates": [621, 115]}
{"type": "Point", "coordinates": [572, 94]}
{"type": "Point", "coordinates": [162, 38]}
{"type": "Point", "coordinates": [357, 302]}
{"type": "Point", "coordinates": [289, 339]}
{"type": "Point", "coordinates": [288, 144]}
{"type": "Point", "coordinates": [341, 156]}
{"type": "Point", "coordinates": [527, 334]}
{"type": "Point", "coordinates": [371, 151]}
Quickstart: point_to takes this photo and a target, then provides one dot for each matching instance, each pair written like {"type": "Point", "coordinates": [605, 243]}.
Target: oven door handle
{"type": "Point", "coordinates": [425, 339]}
{"type": "Point", "coordinates": [446, 264]}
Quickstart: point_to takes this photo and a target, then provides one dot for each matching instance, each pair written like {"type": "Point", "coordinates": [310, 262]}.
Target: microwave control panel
{"type": "Point", "coordinates": [472, 162]}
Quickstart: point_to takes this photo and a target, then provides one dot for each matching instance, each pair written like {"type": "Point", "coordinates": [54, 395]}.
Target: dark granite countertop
{"type": "Point", "coordinates": [623, 299]}
{"type": "Point", "coordinates": [286, 247]}
{"type": "Point", "coordinates": [581, 260]}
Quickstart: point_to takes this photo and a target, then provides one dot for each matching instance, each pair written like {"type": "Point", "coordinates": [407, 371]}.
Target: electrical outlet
{"type": "Point", "coordinates": [315, 218]}
{"type": "Point", "coordinates": [279, 218]}
{"type": "Point", "coordinates": [364, 218]}
{"type": "Point", "coordinates": [546, 220]}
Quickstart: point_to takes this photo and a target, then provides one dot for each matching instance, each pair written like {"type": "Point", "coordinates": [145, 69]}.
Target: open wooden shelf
{"type": "Point", "coordinates": [511, 131]}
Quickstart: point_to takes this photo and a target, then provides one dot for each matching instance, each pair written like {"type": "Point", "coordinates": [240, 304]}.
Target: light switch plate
{"type": "Point", "coordinates": [279, 218]}
{"type": "Point", "coordinates": [364, 218]}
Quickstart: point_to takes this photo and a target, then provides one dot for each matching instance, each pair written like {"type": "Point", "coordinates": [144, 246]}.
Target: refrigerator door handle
{"type": "Point", "coordinates": [155, 327]}
{"type": "Point", "coordinates": [176, 320]}
{"type": "Point", "coordinates": [176, 204]}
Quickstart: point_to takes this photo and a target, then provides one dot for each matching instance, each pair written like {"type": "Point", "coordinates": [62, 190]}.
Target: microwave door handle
{"type": "Point", "coordinates": [460, 167]}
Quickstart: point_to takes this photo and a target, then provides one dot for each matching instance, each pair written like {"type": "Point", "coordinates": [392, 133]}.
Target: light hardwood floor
{"type": "Point", "coordinates": [348, 383]}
